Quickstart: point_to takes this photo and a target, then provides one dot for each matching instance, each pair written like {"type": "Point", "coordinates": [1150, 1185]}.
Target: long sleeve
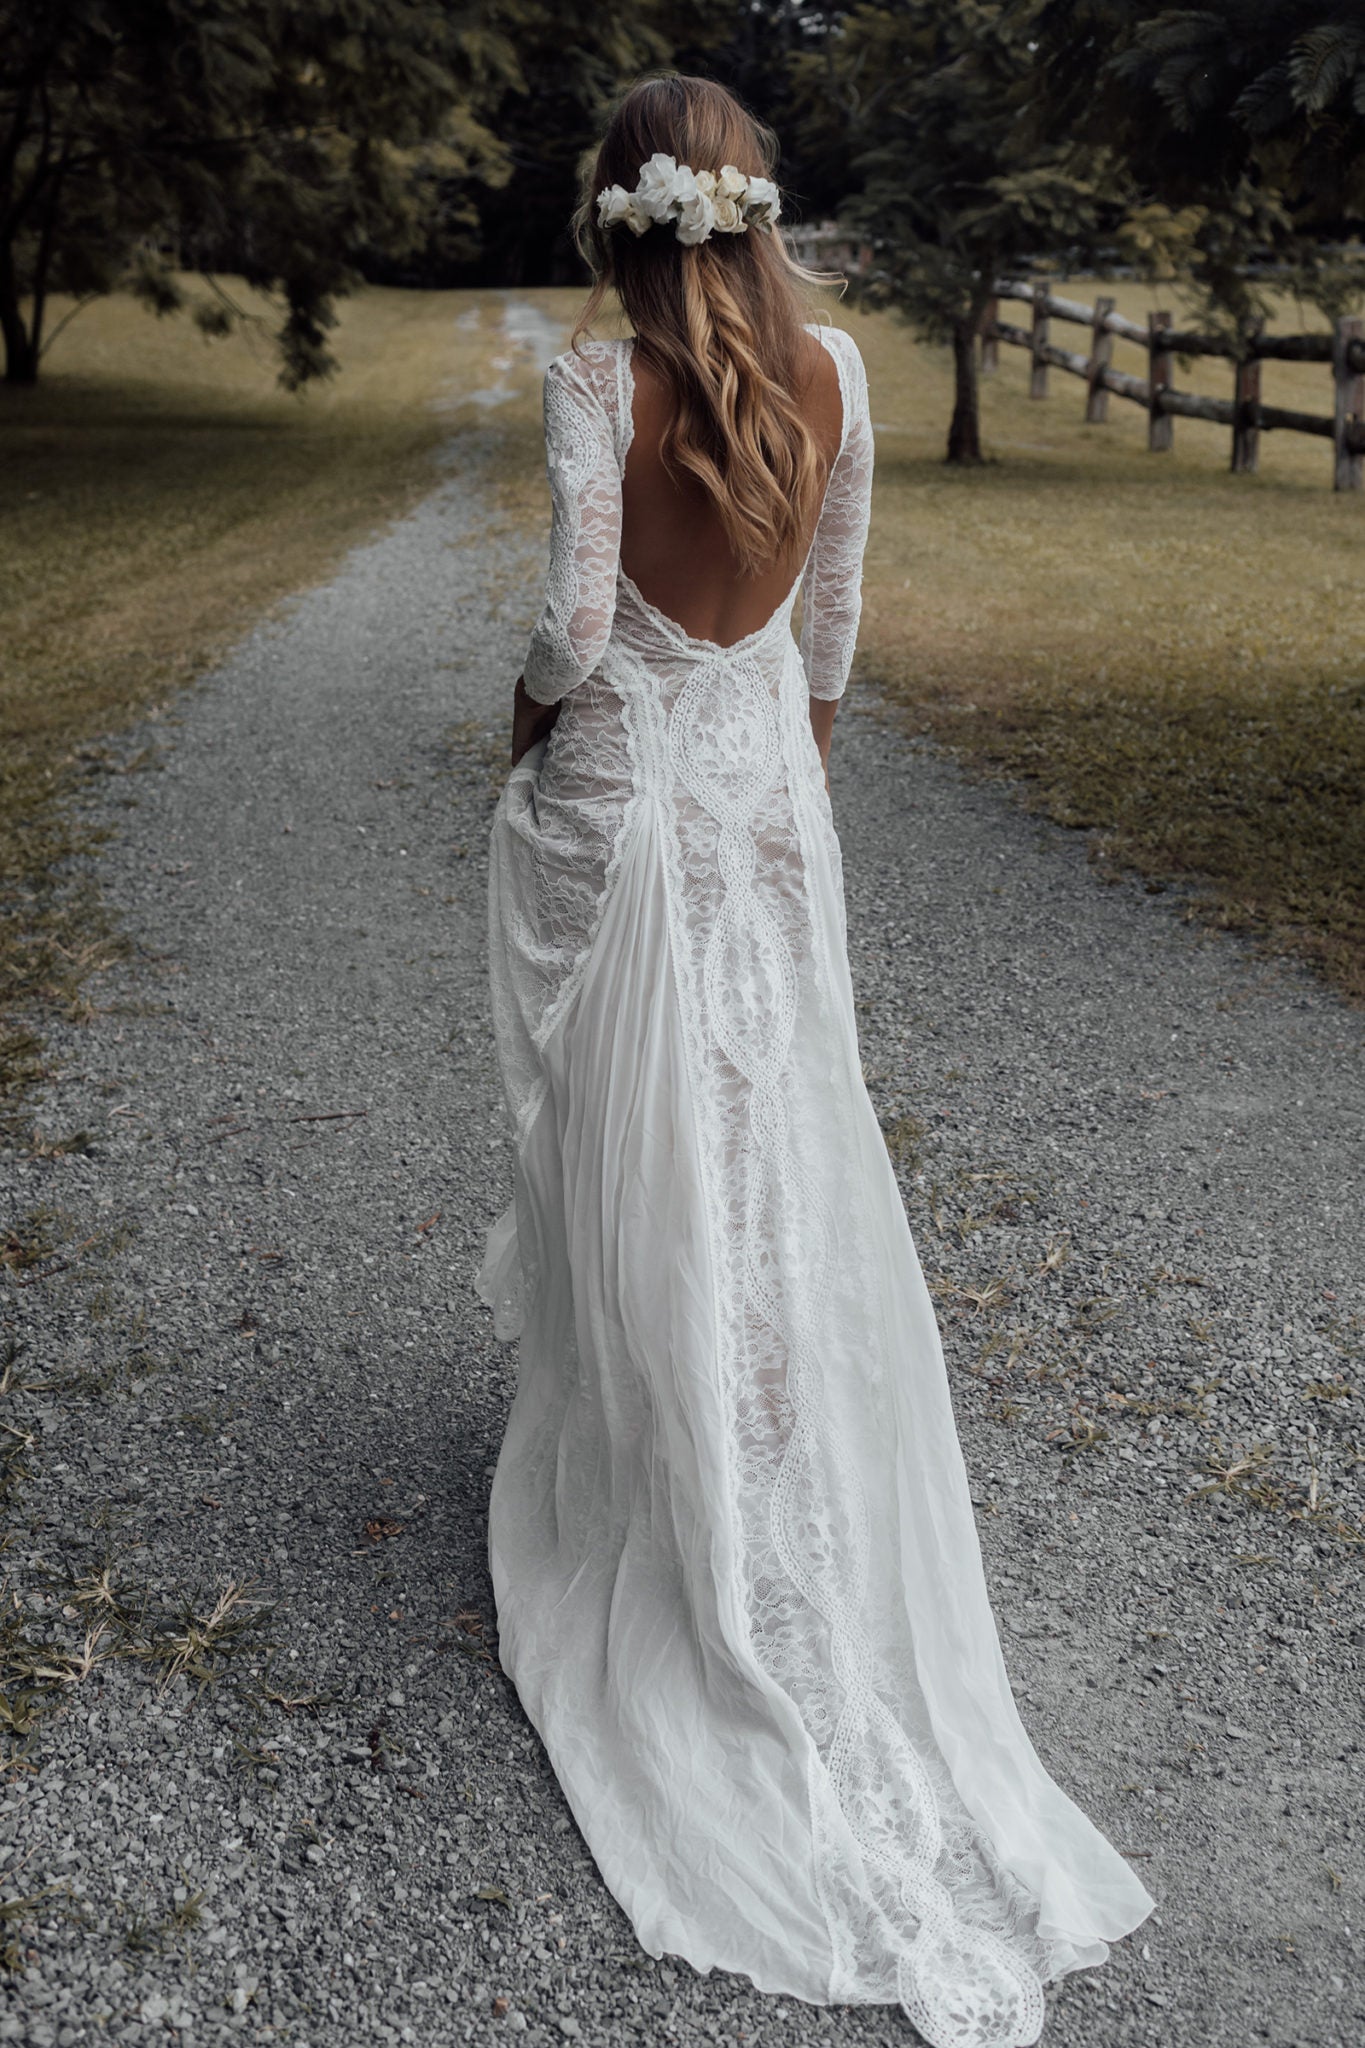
{"type": "Point", "coordinates": [585, 534]}
{"type": "Point", "coordinates": [831, 589]}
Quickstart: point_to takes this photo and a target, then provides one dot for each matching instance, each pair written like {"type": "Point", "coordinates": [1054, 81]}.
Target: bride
{"type": "Point", "coordinates": [738, 1582]}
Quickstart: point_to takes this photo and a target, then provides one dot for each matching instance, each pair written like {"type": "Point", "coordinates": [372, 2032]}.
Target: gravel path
{"type": "Point", "coordinates": [1133, 1159]}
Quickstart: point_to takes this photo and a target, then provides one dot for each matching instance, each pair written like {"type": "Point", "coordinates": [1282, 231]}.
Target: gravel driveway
{"type": "Point", "coordinates": [251, 1358]}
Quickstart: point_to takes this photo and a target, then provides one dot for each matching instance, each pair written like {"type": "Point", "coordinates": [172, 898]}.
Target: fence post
{"type": "Point", "coordinates": [1246, 425]}
{"type": "Point", "coordinates": [1160, 425]}
{"type": "Point", "coordinates": [1101, 349]}
{"type": "Point", "coordinates": [990, 340]}
{"type": "Point", "coordinates": [1349, 410]}
{"type": "Point", "coordinates": [1037, 384]}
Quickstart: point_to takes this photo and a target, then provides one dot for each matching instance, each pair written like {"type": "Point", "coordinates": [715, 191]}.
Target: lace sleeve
{"type": "Point", "coordinates": [831, 589]}
{"type": "Point", "coordinates": [585, 535]}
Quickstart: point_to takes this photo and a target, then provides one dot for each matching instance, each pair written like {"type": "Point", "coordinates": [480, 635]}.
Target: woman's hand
{"type": "Point", "coordinates": [530, 721]}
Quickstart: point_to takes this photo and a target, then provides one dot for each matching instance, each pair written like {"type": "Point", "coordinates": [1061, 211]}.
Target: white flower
{"type": "Point", "coordinates": [762, 202]}
{"type": "Point", "coordinates": [612, 204]}
{"type": "Point", "coordinates": [696, 204]}
{"type": "Point", "coordinates": [696, 214]}
{"type": "Point", "coordinates": [617, 207]}
{"type": "Point", "coordinates": [658, 190]}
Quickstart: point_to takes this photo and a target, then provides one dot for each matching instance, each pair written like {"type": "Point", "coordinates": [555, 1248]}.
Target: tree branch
{"type": "Point", "coordinates": [88, 299]}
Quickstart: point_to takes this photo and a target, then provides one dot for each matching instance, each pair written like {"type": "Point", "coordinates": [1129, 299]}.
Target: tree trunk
{"type": "Point", "coordinates": [964, 434]}
{"type": "Point", "coordinates": [47, 242]}
{"type": "Point", "coordinates": [21, 346]}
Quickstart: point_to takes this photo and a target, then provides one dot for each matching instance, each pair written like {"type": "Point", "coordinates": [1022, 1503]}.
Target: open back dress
{"type": "Point", "coordinates": [738, 1582]}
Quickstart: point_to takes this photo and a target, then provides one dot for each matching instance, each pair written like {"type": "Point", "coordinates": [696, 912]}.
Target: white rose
{"type": "Point", "coordinates": [696, 217]}
{"type": "Point", "coordinates": [762, 202]}
{"type": "Point", "coordinates": [731, 183]}
{"type": "Point", "coordinates": [658, 189]}
{"type": "Point", "coordinates": [614, 205]}
{"type": "Point", "coordinates": [706, 183]}
{"type": "Point", "coordinates": [693, 211]}
{"type": "Point", "coordinates": [729, 216]}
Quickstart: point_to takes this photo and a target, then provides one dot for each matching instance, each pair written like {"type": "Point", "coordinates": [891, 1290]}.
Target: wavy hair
{"type": "Point", "coordinates": [720, 320]}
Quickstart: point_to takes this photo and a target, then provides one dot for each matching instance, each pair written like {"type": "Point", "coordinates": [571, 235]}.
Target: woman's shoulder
{"type": "Point", "coordinates": [838, 341]}
{"type": "Point", "coordinates": [592, 365]}
{"type": "Point", "coordinates": [587, 390]}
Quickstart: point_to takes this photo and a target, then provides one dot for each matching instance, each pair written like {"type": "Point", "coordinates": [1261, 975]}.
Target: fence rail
{"type": "Point", "coordinates": [1246, 414]}
{"type": "Point", "coordinates": [826, 245]}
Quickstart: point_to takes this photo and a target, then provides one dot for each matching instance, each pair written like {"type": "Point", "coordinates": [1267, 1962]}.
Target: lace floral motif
{"type": "Point", "coordinates": [831, 588]}
{"type": "Point", "coordinates": [585, 493]}
{"type": "Point", "coordinates": [790, 1301]}
{"type": "Point", "coordinates": [717, 741]}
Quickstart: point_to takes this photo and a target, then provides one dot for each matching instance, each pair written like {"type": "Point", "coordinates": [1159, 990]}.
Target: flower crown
{"type": "Point", "coordinates": [696, 203]}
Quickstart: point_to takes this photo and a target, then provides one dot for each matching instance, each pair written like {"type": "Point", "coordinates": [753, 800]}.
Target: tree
{"type": "Point", "coordinates": [751, 48]}
{"type": "Point", "coordinates": [277, 136]}
{"type": "Point", "coordinates": [924, 102]}
{"type": "Point", "coordinates": [569, 83]}
{"type": "Point", "coordinates": [547, 118]}
{"type": "Point", "coordinates": [1248, 119]}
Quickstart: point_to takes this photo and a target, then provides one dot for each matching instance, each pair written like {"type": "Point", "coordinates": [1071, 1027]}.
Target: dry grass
{"type": "Point", "coordinates": [161, 495]}
{"type": "Point", "coordinates": [1161, 651]}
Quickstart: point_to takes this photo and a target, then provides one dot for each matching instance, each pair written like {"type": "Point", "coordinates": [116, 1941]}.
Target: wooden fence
{"type": "Point", "coordinates": [828, 247]}
{"type": "Point", "coordinates": [1244, 412]}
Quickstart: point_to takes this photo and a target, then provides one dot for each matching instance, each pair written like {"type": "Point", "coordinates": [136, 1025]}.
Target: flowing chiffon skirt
{"type": "Point", "coordinates": [738, 1582]}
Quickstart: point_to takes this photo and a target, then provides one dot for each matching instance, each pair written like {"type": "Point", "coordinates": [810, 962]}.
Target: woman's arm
{"type": "Point", "coordinates": [575, 622]}
{"type": "Point", "coordinates": [530, 720]}
{"type": "Point", "coordinates": [822, 710]}
{"type": "Point", "coordinates": [831, 587]}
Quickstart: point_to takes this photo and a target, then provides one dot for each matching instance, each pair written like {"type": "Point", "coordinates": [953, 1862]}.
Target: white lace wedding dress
{"type": "Point", "coordinates": [737, 1576]}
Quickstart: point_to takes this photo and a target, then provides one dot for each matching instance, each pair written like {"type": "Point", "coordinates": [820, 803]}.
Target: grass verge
{"type": "Point", "coordinates": [162, 494]}
{"type": "Point", "coordinates": [1155, 649]}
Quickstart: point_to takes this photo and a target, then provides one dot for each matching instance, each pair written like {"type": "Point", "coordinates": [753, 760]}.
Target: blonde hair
{"type": "Point", "coordinates": [720, 320]}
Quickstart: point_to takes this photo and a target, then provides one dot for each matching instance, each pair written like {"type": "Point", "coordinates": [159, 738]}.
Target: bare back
{"type": "Point", "coordinates": [673, 546]}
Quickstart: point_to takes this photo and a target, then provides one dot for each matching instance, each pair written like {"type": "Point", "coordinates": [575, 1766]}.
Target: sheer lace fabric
{"type": "Point", "coordinates": [737, 1575]}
